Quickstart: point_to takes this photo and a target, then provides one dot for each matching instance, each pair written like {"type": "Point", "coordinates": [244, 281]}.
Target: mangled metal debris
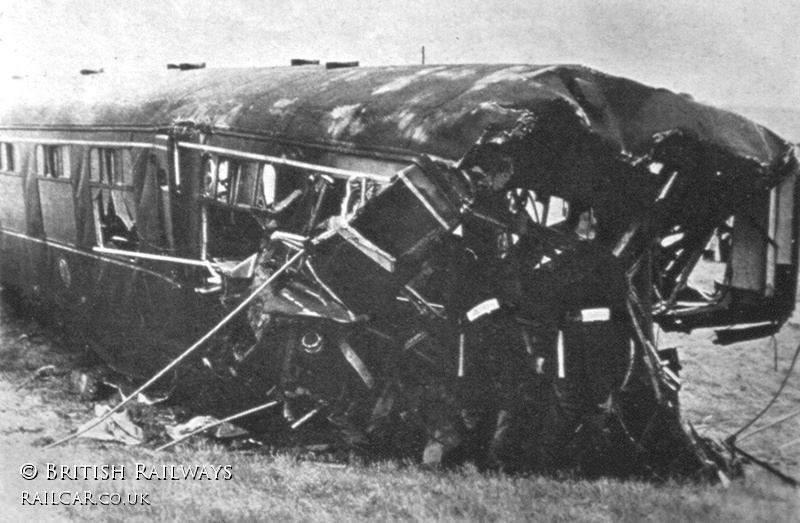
{"type": "Point", "coordinates": [450, 262]}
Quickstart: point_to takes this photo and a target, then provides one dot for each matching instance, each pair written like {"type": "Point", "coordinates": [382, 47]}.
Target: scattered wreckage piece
{"type": "Point", "coordinates": [451, 262]}
{"type": "Point", "coordinates": [116, 427]}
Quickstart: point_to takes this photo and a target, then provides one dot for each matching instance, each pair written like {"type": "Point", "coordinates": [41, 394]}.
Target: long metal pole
{"type": "Point", "coordinates": [185, 354]}
{"type": "Point", "coordinates": [218, 422]}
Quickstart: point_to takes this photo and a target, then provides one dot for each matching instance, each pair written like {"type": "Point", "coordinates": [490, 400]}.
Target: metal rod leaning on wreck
{"type": "Point", "coordinates": [185, 354]}
{"type": "Point", "coordinates": [766, 466]}
{"type": "Point", "coordinates": [218, 422]}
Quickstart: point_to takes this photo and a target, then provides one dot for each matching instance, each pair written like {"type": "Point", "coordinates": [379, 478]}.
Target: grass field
{"type": "Point", "coordinates": [723, 388]}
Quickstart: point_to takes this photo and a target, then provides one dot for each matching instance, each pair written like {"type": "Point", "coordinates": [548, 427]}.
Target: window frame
{"type": "Point", "coordinates": [9, 158]}
{"type": "Point", "coordinates": [53, 161]}
{"type": "Point", "coordinates": [111, 173]}
{"type": "Point", "coordinates": [111, 166]}
{"type": "Point", "coordinates": [237, 172]}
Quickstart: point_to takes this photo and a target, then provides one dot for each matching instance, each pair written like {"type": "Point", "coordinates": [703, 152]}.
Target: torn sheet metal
{"type": "Point", "coordinates": [118, 427]}
{"type": "Point", "coordinates": [483, 250]}
{"type": "Point", "coordinates": [581, 206]}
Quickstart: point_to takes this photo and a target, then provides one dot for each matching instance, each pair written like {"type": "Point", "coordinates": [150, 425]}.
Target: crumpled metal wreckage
{"type": "Point", "coordinates": [495, 299]}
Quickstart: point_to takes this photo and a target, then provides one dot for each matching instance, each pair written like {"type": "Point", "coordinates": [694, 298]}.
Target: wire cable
{"type": "Point", "coordinates": [732, 439]}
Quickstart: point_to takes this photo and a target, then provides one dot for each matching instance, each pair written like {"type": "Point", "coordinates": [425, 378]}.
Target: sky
{"type": "Point", "coordinates": [724, 52]}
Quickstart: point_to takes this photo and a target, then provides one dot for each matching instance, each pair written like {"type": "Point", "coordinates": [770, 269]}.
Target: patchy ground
{"type": "Point", "coordinates": [724, 387]}
{"type": "Point", "coordinates": [32, 407]}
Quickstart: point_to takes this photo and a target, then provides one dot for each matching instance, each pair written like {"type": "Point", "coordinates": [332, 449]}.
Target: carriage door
{"type": "Point", "coordinates": [12, 211]}
{"type": "Point", "coordinates": [56, 192]}
{"type": "Point", "coordinates": [151, 168]}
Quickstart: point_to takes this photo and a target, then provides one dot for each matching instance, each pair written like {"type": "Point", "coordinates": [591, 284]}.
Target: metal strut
{"type": "Point", "coordinates": [185, 354]}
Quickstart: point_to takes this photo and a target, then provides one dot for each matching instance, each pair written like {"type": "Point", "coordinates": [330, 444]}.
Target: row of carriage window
{"type": "Point", "coordinates": [226, 180]}
{"type": "Point", "coordinates": [51, 160]}
{"type": "Point", "coordinates": [110, 166]}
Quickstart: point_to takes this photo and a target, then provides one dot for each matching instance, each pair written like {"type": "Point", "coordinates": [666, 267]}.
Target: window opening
{"type": "Point", "coordinates": [111, 166]}
{"type": "Point", "coordinates": [111, 173]}
{"type": "Point", "coordinates": [7, 157]}
{"type": "Point", "coordinates": [239, 183]}
{"type": "Point", "coordinates": [126, 167]}
{"type": "Point", "coordinates": [224, 176]}
{"type": "Point", "coordinates": [268, 185]}
{"type": "Point", "coordinates": [247, 184]}
{"type": "Point", "coordinates": [210, 177]}
{"type": "Point", "coordinates": [233, 189]}
{"type": "Point", "coordinates": [53, 161]}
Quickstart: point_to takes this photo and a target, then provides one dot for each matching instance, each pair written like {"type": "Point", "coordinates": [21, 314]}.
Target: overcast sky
{"type": "Point", "coordinates": [731, 52]}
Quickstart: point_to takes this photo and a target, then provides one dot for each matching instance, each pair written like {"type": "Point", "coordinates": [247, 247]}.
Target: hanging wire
{"type": "Point", "coordinates": [770, 425]}
{"type": "Point", "coordinates": [732, 439]}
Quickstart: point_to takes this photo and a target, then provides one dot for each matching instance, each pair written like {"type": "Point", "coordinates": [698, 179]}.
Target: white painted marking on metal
{"type": "Point", "coordinates": [601, 314]}
{"type": "Point", "coordinates": [358, 365]}
{"type": "Point", "coordinates": [59, 141]}
{"type": "Point", "coordinates": [482, 309]}
{"type": "Point", "coordinates": [372, 251]}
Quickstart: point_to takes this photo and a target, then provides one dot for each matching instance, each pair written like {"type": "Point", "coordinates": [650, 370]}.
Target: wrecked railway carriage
{"type": "Point", "coordinates": [477, 253]}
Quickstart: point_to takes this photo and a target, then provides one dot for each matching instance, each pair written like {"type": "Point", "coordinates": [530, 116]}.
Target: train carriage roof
{"type": "Point", "coordinates": [440, 110]}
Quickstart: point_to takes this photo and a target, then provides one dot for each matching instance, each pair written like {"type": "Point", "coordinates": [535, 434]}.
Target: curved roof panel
{"type": "Point", "coordinates": [440, 110]}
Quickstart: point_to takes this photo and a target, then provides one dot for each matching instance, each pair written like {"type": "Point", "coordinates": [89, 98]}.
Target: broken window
{"type": "Point", "coordinates": [239, 182]}
{"type": "Point", "coordinates": [111, 176]}
{"type": "Point", "coordinates": [52, 161]}
{"type": "Point", "coordinates": [220, 177]}
{"type": "Point", "coordinates": [235, 191]}
{"type": "Point", "coordinates": [7, 158]}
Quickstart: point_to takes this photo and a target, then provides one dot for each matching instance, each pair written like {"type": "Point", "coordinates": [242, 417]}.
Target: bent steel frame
{"type": "Point", "coordinates": [485, 248]}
